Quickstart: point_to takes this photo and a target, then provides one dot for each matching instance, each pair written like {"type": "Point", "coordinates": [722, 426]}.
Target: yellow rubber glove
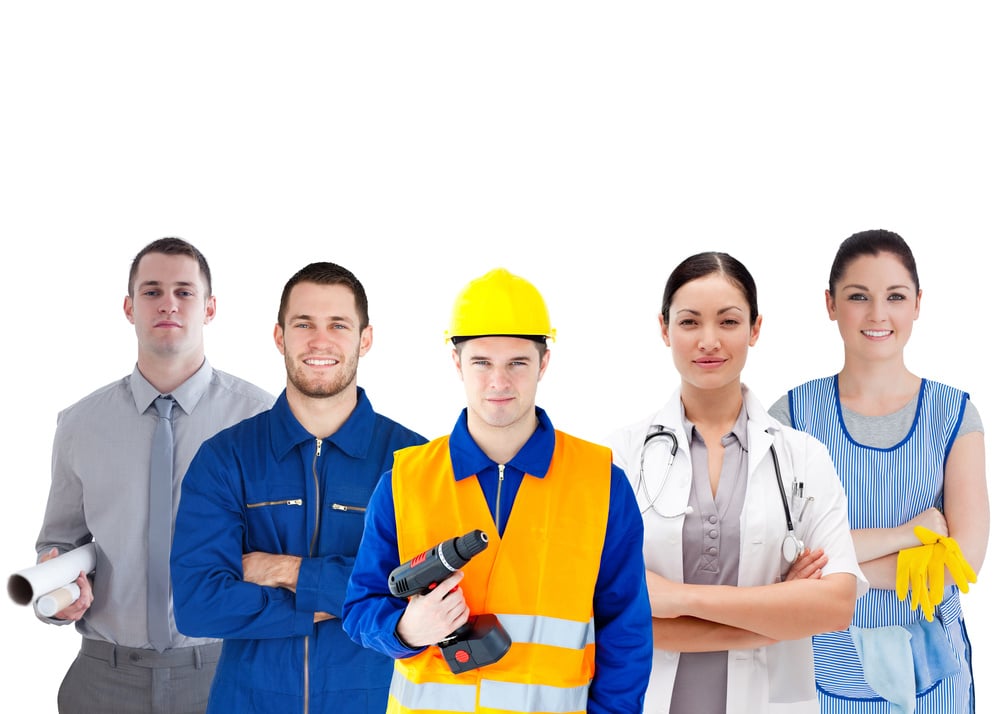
{"type": "Point", "coordinates": [912, 574]}
{"type": "Point", "coordinates": [935, 574]}
{"type": "Point", "coordinates": [947, 554]}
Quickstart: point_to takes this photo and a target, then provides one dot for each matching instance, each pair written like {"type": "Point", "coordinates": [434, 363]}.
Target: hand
{"type": "Point", "coordinates": [270, 570]}
{"type": "Point", "coordinates": [430, 618]}
{"type": "Point", "coordinates": [322, 616]}
{"type": "Point", "coordinates": [808, 566]}
{"type": "Point", "coordinates": [930, 519]}
{"type": "Point", "coordinates": [78, 607]}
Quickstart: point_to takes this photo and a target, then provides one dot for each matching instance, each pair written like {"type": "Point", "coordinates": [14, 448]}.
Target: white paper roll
{"type": "Point", "coordinates": [26, 586]}
{"type": "Point", "coordinates": [51, 603]}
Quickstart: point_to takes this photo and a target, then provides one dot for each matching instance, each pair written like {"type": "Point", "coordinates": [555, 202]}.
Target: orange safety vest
{"type": "Point", "coordinates": [539, 579]}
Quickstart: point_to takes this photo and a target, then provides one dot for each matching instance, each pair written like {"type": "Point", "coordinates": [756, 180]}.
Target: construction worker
{"type": "Point", "coordinates": [569, 590]}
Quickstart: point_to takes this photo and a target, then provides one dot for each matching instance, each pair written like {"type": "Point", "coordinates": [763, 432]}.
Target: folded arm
{"type": "Point", "coordinates": [965, 517]}
{"type": "Point", "coordinates": [780, 611]}
{"type": "Point", "coordinates": [276, 571]}
{"type": "Point", "coordinates": [212, 598]}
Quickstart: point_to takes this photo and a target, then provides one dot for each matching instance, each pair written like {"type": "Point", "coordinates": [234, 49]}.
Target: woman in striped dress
{"type": "Point", "coordinates": [909, 452]}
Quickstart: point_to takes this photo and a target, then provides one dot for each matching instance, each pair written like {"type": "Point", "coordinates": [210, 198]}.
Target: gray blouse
{"type": "Point", "coordinates": [711, 546]}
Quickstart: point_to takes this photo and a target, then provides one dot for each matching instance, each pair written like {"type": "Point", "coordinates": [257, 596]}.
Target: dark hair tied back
{"type": "Point", "coordinates": [872, 243]}
{"type": "Point", "coordinates": [710, 263]}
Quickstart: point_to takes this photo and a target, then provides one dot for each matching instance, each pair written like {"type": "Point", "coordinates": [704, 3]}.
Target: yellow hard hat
{"type": "Point", "coordinates": [500, 303]}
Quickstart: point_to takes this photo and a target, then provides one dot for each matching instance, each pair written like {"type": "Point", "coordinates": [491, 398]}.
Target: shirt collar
{"type": "Point", "coordinates": [187, 395]}
{"type": "Point", "coordinates": [353, 437]}
{"type": "Point", "coordinates": [739, 429]}
{"type": "Point", "coordinates": [467, 459]}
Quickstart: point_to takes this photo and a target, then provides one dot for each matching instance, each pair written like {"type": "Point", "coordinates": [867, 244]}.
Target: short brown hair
{"type": "Point", "coordinates": [326, 274]}
{"type": "Point", "coordinates": [171, 246]}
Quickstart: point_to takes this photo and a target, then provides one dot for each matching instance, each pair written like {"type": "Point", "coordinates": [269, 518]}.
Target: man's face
{"type": "Point", "coordinates": [169, 306]}
{"type": "Point", "coordinates": [321, 339]}
{"type": "Point", "coordinates": [501, 376]}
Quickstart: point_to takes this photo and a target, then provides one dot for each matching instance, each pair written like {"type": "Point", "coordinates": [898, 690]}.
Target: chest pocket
{"type": "Point", "coordinates": [275, 519]}
{"type": "Point", "coordinates": [343, 522]}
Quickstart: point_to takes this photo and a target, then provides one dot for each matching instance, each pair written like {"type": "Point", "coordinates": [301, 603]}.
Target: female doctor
{"type": "Point", "coordinates": [747, 542]}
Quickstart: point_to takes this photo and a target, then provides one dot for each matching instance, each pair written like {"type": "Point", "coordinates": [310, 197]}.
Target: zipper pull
{"type": "Point", "coordinates": [496, 515]}
{"type": "Point", "coordinates": [319, 446]}
{"type": "Point", "coordinates": [346, 509]}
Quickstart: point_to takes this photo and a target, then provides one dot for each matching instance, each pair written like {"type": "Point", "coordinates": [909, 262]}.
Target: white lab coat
{"type": "Point", "coordinates": [765, 680]}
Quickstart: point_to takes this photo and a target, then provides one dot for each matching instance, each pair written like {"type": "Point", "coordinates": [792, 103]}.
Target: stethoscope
{"type": "Point", "coordinates": [791, 546]}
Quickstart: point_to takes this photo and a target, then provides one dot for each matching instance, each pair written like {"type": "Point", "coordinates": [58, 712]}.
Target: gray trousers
{"type": "Point", "coordinates": [111, 679]}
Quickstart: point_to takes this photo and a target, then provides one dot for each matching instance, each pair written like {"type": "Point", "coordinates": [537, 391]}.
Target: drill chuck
{"type": "Point", "coordinates": [422, 574]}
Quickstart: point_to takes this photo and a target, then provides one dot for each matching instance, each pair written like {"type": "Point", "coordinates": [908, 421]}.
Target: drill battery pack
{"type": "Point", "coordinates": [479, 642]}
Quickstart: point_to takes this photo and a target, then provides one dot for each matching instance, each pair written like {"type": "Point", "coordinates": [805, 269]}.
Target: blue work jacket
{"type": "Point", "coordinates": [268, 485]}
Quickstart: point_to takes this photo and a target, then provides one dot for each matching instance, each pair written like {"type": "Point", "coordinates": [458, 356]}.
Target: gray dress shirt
{"type": "Point", "coordinates": [100, 485]}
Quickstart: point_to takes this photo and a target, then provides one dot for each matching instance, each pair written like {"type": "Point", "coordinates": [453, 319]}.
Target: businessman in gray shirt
{"type": "Point", "coordinates": [101, 486]}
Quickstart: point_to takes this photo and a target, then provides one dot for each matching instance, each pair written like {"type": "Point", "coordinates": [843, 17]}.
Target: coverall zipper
{"type": "Point", "coordinates": [312, 546]}
{"type": "Point", "coordinates": [496, 516]}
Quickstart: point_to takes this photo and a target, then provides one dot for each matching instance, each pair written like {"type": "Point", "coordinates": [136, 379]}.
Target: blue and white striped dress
{"type": "Point", "coordinates": [886, 487]}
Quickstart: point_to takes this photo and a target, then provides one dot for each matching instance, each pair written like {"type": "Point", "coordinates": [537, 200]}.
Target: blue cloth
{"type": "Point", "coordinates": [888, 664]}
{"type": "Point", "coordinates": [933, 657]}
{"type": "Point", "coordinates": [900, 661]}
{"type": "Point", "coordinates": [268, 485]}
{"type": "Point", "coordinates": [621, 604]}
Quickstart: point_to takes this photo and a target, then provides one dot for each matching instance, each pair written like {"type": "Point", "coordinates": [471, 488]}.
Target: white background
{"type": "Point", "coordinates": [586, 146]}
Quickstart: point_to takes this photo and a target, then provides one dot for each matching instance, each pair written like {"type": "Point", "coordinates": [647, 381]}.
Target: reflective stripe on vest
{"type": "Point", "coordinates": [406, 696]}
{"type": "Point", "coordinates": [507, 696]}
{"type": "Point", "coordinates": [552, 631]}
{"type": "Point", "coordinates": [532, 697]}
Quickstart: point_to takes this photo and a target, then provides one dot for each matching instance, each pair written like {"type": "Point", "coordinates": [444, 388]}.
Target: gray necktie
{"type": "Point", "coordinates": [161, 477]}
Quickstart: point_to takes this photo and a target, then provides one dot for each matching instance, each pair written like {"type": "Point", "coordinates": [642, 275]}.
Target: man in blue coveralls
{"type": "Point", "coordinates": [272, 512]}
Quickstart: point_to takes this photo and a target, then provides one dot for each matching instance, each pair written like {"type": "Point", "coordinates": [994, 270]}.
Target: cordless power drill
{"type": "Point", "coordinates": [482, 639]}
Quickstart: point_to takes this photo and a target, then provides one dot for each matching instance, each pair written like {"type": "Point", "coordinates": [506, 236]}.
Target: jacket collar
{"type": "Point", "coordinates": [353, 437]}
{"type": "Point", "coordinates": [534, 458]}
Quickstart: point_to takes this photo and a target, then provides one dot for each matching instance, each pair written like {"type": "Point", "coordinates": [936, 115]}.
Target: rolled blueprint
{"type": "Point", "coordinates": [26, 586]}
{"type": "Point", "coordinates": [51, 603]}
